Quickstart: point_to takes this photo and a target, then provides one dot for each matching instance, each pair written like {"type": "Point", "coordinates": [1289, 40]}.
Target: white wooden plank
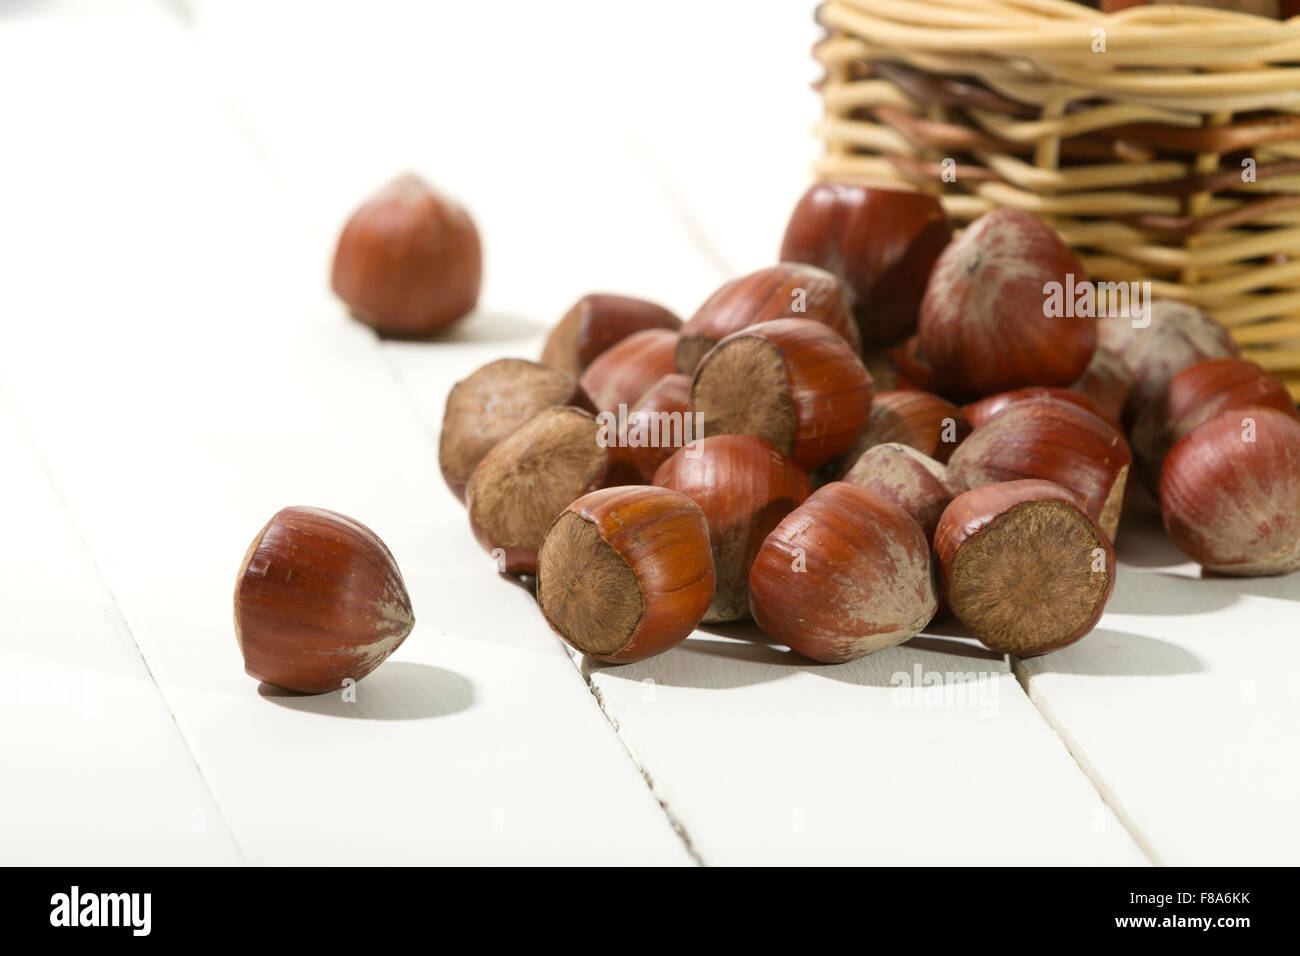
{"type": "Point", "coordinates": [96, 771]}
{"type": "Point", "coordinates": [1182, 705]}
{"type": "Point", "coordinates": [758, 758]}
{"type": "Point", "coordinates": [780, 761]}
{"type": "Point", "coordinates": [174, 349]}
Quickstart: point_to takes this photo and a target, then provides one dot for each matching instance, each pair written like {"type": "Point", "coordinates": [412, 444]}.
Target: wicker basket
{"type": "Point", "coordinates": [1142, 156]}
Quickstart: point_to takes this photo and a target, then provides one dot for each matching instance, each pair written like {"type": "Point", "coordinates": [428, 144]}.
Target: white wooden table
{"type": "Point", "coordinates": [173, 370]}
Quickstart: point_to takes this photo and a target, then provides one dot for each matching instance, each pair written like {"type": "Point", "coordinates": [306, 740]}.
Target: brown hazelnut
{"type": "Point", "coordinates": [1055, 441]}
{"type": "Point", "coordinates": [1230, 492]}
{"type": "Point", "coordinates": [1174, 336]}
{"type": "Point", "coordinates": [1195, 395]}
{"type": "Point", "coordinates": [881, 242]}
{"type": "Point", "coordinates": [408, 261]}
{"type": "Point", "coordinates": [788, 290]}
{"type": "Point", "coordinates": [744, 486]}
{"type": "Point", "coordinates": [490, 404]}
{"type": "Point", "coordinates": [914, 481]}
{"type": "Point", "coordinates": [845, 574]}
{"type": "Point", "coordinates": [624, 372]}
{"type": "Point", "coordinates": [528, 478]}
{"type": "Point", "coordinates": [1023, 566]}
{"type": "Point", "coordinates": [319, 600]}
{"type": "Point", "coordinates": [792, 381]}
{"type": "Point", "coordinates": [922, 420]}
{"type": "Point", "coordinates": [985, 324]}
{"type": "Point", "coordinates": [977, 413]}
{"type": "Point", "coordinates": [626, 573]}
{"type": "Point", "coordinates": [597, 322]}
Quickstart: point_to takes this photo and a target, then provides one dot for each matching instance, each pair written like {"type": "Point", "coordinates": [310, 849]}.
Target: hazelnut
{"type": "Point", "coordinates": [792, 381]}
{"type": "Point", "coordinates": [788, 290]}
{"type": "Point", "coordinates": [490, 404]}
{"type": "Point", "coordinates": [744, 486]}
{"type": "Point", "coordinates": [881, 242]}
{"type": "Point", "coordinates": [915, 482]}
{"type": "Point", "coordinates": [597, 322]}
{"type": "Point", "coordinates": [626, 573]}
{"type": "Point", "coordinates": [1055, 441]}
{"type": "Point", "coordinates": [977, 413]}
{"type": "Point", "coordinates": [528, 478]}
{"type": "Point", "coordinates": [624, 372]}
{"type": "Point", "coordinates": [318, 600]}
{"type": "Point", "coordinates": [922, 420]}
{"type": "Point", "coordinates": [1230, 492]}
{"type": "Point", "coordinates": [408, 261]}
{"type": "Point", "coordinates": [1195, 395]}
{"type": "Point", "coordinates": [1023, 566]}
{"type": "Point", "coordinates": [1176, 335]}
{"type": "Point", "coordinates": [845, 574]}
{"type": "Point", "coordinates": [985, 325]}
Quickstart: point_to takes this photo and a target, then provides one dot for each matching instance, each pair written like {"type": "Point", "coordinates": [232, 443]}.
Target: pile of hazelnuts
{"type": "Point", "coordinates": [887, 427]}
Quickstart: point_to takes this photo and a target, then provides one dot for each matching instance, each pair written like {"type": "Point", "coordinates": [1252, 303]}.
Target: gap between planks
{"type": "Point", "coordinates": [1076, 752]}
{"type": "Point", "coordinates": [8, 398]}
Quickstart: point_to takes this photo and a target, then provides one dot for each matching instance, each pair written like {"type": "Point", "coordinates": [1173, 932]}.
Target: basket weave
{"type": "Point", "coordinates": [1134, 155]}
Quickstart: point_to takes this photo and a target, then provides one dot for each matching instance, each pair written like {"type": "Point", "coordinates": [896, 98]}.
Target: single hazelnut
{"type": "Point", "coordinates": [845, 574]}
{"type": "Point", "coordinates": [1055, 441]}
{"type": "Point", "coordinates": [792, 381]}
{"type": "Point", "coordinates": [986, 325]}
{"type": "Point", "coordinates": [881, 242]}
{"type": "Point", "coordinates": [626, 573]}
{"type": "Point", "coordinates": [657, 426]}
{"type": "Point", "coordinates": [1195, 395]}
{"type": "Point", "coordinates": [1106, 381]}
{"type": "Point", "coordinates": [528, 478]}
{"type": "Point", "coordinates": [408, 261]}
{"type": "Point", "coordinates": [788, 290]}
{"type": "Point", "coordinates": [490, 404]}
{"type": "Point", "coordinates": [1172, 336]}
{"type": "Point", "coordinates": [745, 487]}
{"type": "Point", "coordinates": [977, 413]}
{"type": "Point", "coordinates": [922, 420]}
{"type": "Point", "coordinates": [1023, 566]}
{"type": "Point", "coordinates": [318, 600]}
{"type": "Point", "coordinates": [625, 371]}
{"type": "Point", "coordinates": [914, 481]}
{"type": "Point", "coordinates": [1230, 492]}
{"type": "Point", "coordinates": [595, 323]}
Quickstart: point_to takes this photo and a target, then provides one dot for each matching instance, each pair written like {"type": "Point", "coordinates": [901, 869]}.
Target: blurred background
{"type": "Point", "coordinates": [546, 119]}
